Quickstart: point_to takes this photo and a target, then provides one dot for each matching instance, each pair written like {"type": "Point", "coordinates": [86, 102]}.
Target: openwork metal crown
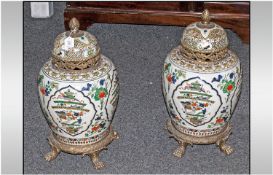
{"type": "Point", "coordinates": [75, 49]}
{"type": "Point", "coordinates": [201, 40]}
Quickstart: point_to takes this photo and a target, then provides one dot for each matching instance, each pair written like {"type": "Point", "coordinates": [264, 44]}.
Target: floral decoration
{"type": "Point", "coordinates": [226, 83]}
{"type": "Point", "coordinates": [172, 75]}
{"type": "Point", "coordinates": [46, 88]}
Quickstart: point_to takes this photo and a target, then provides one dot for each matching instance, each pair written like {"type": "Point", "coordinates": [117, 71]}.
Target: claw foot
{"type": "Point", "coordinates": [98, 165]}
{"type": "Point", "coordinates": [116, 136]}
{"type": "Point", "coordinates": [52, 154]}
{"type": "Point", "coordinates": [180, 151]}
{"type": "Point", "coordinates": [225, 148]}
{"type": "Point", "coordinates": [95, 160]}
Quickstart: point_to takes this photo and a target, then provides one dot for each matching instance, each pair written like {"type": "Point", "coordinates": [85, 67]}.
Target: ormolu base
{"type": "Point", "coordinates": [92, 150]}
{"type": "Point", "coordinates": [184, 140]}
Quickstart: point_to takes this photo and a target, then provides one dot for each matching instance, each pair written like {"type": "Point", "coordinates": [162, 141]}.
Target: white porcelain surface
{"type": "Point", "coordinates": [200, 101]}
{"type": "Point", "coordinates": [79, 107]}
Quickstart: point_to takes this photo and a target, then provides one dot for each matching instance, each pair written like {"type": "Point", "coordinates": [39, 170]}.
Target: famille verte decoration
{"type": "Point", "coordinates": [201, 86]}
{"type": "Point", "coordinates": [78, 90]}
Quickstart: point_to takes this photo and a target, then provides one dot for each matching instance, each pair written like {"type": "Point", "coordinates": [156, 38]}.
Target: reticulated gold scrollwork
{"type": "Point", "coordinates": [205, 57]}
{"type": "Point", "coordinates": [194, 33]}
{"type": "Point", "coordinates": [75, 65]}
{"type": "Point", "coordinates": [196, 61]}
{"type": "Point", "coordinates": [199, 38]}
{"type": "Point", "coordinates": [101, 69]}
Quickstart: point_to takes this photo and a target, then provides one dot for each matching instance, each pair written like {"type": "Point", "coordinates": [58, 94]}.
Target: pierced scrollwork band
{"type": "Point", "coordinates": [184, 139]}
{"type": "Point", "coordinates": [75, 65]}
{"type": "Point", "coordinates": [204, 57]}
{"type": "Point", "coordinates": [197, 133]}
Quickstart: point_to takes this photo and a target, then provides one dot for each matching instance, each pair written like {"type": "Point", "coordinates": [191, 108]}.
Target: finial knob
{"type": "Point", "coordinates": [205, 17]}
{"type": "Point", "coordinates": [74, 25]}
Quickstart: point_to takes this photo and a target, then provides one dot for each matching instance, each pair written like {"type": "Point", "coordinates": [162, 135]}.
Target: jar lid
{"type": "Point", "coordinates": [75, 49]}
{"type": "Point", "coordinates": [204, 37]}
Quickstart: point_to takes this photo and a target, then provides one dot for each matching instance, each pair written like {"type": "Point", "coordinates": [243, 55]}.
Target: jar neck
{"type": "Point", "coordinates": [204, 57]}
{"type": "Point", "coordinates": [75, 65]}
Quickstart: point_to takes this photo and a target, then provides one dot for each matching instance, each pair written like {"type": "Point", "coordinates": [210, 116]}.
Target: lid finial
{"type": "Point", "coordinates": [74, 25]}
{"type": "Point", "coordinates": [205, 17]}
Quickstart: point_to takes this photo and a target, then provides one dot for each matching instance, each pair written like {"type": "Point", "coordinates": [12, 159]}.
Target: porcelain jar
{"type": "Point", "coordinates": [201, 81]}
{"type": "Point", "coordinates": [78, 89]}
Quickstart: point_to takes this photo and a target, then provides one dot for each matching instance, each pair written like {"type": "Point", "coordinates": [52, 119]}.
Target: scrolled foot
{"type": "Point", "coordinates": [52, 154]}
{"type": "Point", "coordinates": [180, 151]}
{"type": "Point", "coordinates": [96, 162]}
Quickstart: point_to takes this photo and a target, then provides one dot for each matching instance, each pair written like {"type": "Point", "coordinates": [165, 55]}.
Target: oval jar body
{"type": "Point", "coordinates": [79, 105]}
{"type": "Point", "coordinates": [201, 98]}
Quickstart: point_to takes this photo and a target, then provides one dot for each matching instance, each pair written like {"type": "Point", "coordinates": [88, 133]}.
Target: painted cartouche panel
{"type": "Point", "coordinates": [71, 110]}
{"type": "Point", "coordinates": [197, 102]}
{"type": "Point", "coordinates": [80, 111]}
{"type": "Point", "coordinates": [202, 102]}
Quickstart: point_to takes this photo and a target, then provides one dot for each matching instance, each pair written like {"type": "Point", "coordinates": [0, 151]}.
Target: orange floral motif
{"type": "Point", "coordinates": [219, 120]}
{"type": "Point", "coordinates": [95, 128]}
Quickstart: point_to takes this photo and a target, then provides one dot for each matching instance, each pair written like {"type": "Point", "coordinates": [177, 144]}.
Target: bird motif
{"type": "Point", "coordinates": [218, 79]}
{"type": "Point", "coordinates": [231, 75]}
{"type": "Point", "coordinates": [87, 88]}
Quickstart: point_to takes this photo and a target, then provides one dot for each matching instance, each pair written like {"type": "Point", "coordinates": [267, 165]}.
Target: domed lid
{"type": "Point", "coordinates": [204, 37]}
{"type": "Point", "coordinates": [75, 49]}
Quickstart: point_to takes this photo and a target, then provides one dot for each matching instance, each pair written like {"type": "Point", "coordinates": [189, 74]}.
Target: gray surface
{"type": "Point", "coordinates": [144, 146]}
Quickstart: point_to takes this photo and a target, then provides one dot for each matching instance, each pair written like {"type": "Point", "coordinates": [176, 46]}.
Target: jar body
{"type": "Point", "coordinates": [79, 106]}
{"type": "Point", "coordinates": [200, 101]}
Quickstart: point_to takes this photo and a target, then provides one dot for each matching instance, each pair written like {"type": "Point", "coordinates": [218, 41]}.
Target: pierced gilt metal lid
{"type": "Point", "coordinates": [204, 36]}
{"type": "Point", "coordinates": [75, 49]}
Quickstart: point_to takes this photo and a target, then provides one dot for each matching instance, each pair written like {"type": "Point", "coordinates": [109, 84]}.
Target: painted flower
{"type": "Point", "coordinates": [42, 90]}
{"type": "Point", "coordinates": [229, 86]}
{"type": "Point", "coordinates": [194, 104]}
{"type": "Point", "coordinates": [219, 120]}
{"type": "Point", "coordinates": [95, 128]}
{"type": "Point", "coordinates": [100, 93]}
{"type": "Point", "coordinates": [169, 78]}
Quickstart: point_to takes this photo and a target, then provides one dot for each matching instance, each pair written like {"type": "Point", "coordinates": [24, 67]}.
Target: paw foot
{"type": "Point", "coordinates": [116, 136]}
{"type": "Point", "coordinates": [50, 156]}
{"type": "Point", "coordinates": [227, 149]}
{"type": "Point", "coordinates": [98, 165]}
{"type": "Point", "coordinates": [179, 152]}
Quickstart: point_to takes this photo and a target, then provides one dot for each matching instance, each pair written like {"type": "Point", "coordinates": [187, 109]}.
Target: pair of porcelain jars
{"type": "Point", "coordinates": [78, 90]}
